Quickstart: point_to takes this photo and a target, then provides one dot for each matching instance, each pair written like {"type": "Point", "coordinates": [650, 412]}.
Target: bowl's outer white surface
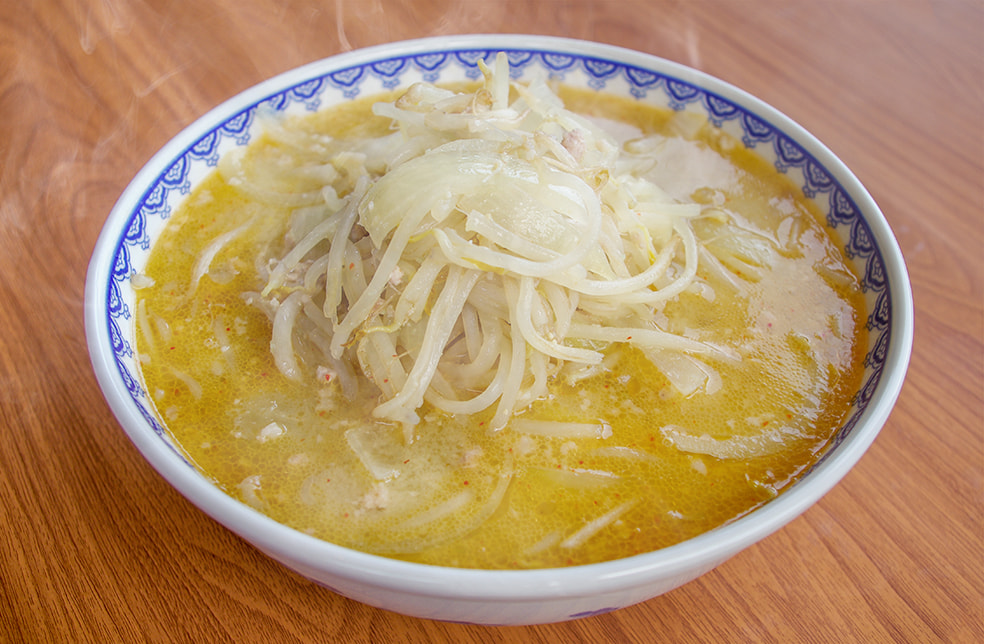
{"type": "Point", "coordinates": [491, 597]}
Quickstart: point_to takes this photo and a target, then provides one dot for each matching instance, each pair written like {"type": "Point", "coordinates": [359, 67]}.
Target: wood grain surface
{"type": "Point", "coordinates": [95, 546]}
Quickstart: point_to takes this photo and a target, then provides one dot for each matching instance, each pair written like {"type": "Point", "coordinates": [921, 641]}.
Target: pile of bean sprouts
{"type": "Point", "coordinates": [492, 241]}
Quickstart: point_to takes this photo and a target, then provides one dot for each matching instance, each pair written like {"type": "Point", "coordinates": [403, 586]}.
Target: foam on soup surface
{"type": "Point", "coordinates": [649, 454]}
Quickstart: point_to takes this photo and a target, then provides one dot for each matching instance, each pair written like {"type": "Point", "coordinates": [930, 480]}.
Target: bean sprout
{"type": "Point", "coordinates": [492, 239]}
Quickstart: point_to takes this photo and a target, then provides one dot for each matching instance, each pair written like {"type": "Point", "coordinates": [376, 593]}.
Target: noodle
{"type": "Point", "coordinates": [519, 190]}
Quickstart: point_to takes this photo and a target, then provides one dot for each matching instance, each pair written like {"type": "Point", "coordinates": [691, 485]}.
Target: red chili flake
{"type": "Point", "coordinates": [263, 373]}
{"type": "Point", "coordinates": [346, 515]}
{"type": "Point", "coordinates": [406, 461]}
{"type": "Point", "coordinates": [327, 480]}
{"type": "Point", "coordinates": [172, 348]}
{"type": "Point", "coordinates": [352, 265]}
{"type": "Point", "coordinates": [482, 422]}
{"type": "Point", "coordinates": [580, 462]}
{"type": "Point", "coordinates": [228, 328]}
{"type": "Point", "coordinates": [764, 423]}
{"type": "Point", "coordinates": [629, 337]}
{"type": "Point", "coordinates": [386, 379]}
{"type": "Point", "coordinates": [327, 377]}
{"type": "Point", "coordinates": [464, 482]}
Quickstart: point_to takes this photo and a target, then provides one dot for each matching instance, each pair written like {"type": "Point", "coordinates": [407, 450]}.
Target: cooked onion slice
{"type": "Point", "coordinates": [578, 478]}
{"type": "Point", "coordinates": [597, 525]}
{"type": "Point", "coordinates": [416, 534]}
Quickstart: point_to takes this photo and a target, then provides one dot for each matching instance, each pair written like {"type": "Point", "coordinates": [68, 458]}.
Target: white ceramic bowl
{"type": "Point", "coordinates": [495, 597]}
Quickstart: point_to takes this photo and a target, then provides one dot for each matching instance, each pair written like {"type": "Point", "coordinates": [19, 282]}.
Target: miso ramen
{"type": "Point", "coordinates": [499, 326]}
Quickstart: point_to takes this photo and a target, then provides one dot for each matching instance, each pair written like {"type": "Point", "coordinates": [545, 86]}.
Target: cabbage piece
{"type": "Point", "coordinates": [739, 446]}
{"type": "Point", "coordinates": [686, 373]}
{"type": "Point", "coordinates": [437, 179]}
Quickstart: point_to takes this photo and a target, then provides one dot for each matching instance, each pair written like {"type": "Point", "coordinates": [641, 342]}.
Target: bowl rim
{"type": "Point", "coordinates": [703, 551]}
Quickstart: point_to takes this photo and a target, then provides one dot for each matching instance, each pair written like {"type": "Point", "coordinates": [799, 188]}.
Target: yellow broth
{"type": "Point", "coordinates": [460, 495]}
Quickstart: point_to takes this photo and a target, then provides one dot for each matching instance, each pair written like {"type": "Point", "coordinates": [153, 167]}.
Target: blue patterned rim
{"type": "Point", "coordinates": [842, 213]}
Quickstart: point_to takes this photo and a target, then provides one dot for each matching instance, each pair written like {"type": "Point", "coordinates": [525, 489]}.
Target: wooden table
{"type": "Point", "coordinates": [95, 546]}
